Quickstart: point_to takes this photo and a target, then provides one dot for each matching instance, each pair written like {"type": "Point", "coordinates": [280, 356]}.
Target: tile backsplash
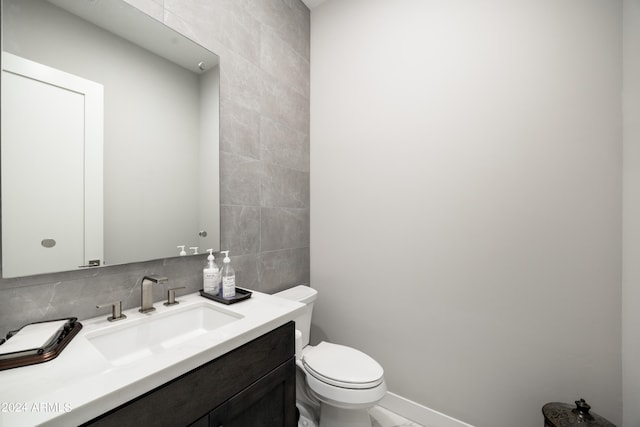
{"type": "Point", "coordinates": [264, 165]}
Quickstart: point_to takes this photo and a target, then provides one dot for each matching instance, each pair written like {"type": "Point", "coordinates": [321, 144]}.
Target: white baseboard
{"type": "Point", "coordinates": [418, 413]}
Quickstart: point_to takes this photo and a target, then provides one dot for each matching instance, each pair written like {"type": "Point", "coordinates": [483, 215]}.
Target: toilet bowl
{"type": "Point", "coordinates": [336, 385]}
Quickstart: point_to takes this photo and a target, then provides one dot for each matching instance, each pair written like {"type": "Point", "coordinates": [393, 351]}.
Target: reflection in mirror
{"type": "Point", "coordinates": [109, 143]}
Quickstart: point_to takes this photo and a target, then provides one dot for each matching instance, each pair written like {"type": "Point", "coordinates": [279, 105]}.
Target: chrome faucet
{"type": "Point", "coordinates": [146, 294]}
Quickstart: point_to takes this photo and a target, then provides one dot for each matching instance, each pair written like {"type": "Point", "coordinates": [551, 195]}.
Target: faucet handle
{"type": "Point", "coordinates": [116, 311]}
{"type": "Point", "coordinates": [171, 296]}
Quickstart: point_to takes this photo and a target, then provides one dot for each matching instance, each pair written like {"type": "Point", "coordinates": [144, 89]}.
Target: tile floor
{"type": "Point", "coordinates": [381, 417]}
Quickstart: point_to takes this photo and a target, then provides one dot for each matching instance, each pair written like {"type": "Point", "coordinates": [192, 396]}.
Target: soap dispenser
{"type": "Point", "coordinates": [210, 275]}
{"type": "Point", "coordinates": [228, 278]}
{"type": "Point", "coordinates": [182, 251]}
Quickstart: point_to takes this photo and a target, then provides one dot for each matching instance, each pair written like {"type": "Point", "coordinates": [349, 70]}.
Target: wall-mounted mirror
{"type": "Point", "coordinates": [109, 144]}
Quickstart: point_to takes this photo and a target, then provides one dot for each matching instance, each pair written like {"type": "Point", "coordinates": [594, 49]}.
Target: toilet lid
{"type": "Point", "coordinates": [342, 366]}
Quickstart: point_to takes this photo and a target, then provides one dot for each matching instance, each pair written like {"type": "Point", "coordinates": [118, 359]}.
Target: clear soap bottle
{"type": "Point", "coordinates": [210, 275]}
{"type": "Point", "coordinates": [228, 278]}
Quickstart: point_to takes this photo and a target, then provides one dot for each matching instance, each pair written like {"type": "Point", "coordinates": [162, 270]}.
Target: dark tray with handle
{"type": "Point", "coordinates": [48, 351]}
{"type": "Point", "coordinates": [241, 295]}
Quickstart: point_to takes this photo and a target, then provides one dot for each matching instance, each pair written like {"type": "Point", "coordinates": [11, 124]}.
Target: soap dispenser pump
{"type": "Point", "coordinates": [210, 275]}
{"type": "Point", "coordinates": [228, 278]}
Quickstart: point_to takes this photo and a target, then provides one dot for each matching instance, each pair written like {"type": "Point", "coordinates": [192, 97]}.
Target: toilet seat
{"type": "Point", "coordinates": [342, 366]}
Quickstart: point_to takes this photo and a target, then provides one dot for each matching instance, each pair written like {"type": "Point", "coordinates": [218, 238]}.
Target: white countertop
{"type": "Point", "coordinates": [81, 383]}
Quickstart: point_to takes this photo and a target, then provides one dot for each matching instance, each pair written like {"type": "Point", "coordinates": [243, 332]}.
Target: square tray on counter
{"type": "Point", "coordinates": [241, 295]}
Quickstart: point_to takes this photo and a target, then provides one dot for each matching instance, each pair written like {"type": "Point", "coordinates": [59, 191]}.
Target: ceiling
{"type": "Point", "coordinates": [312, 3]}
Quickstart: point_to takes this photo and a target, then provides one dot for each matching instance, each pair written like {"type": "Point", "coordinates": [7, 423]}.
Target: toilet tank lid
{"type": "Point", "coordinates": [300, 293]}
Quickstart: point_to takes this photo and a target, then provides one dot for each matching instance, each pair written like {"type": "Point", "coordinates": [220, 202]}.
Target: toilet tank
{"type": "Point", "coordinates": [305, 295]}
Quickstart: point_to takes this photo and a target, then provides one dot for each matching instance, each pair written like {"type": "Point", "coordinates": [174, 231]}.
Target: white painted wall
{"type": "Point", "coordinates": [466, 199]}
{"type": "Point", "coordinates": [631, 235]}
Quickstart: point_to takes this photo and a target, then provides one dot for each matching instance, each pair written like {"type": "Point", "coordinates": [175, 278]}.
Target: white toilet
{"type": "Point", "coordinates": [336, 385]}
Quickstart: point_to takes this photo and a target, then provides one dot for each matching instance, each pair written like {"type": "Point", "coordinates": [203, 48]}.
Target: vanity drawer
{"type": "Point", "coordinates": [193, 395]}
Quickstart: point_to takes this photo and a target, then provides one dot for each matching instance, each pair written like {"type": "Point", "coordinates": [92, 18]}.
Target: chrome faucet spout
{"type": "Point", "coordinates": [146, 294]}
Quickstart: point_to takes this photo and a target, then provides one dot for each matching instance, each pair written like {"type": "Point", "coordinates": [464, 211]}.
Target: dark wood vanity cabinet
{"type": "Point", "coordinates": [261, 404]}
{"type": "Point", "coordinates": [251, 386]}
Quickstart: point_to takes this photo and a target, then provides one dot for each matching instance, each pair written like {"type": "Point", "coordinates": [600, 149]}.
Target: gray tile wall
{"type": "Point", "coordinates": [264, 164]}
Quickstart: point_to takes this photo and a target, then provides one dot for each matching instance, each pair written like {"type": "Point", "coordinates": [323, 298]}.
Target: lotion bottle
{"type": "Point", "coordinates": [228, 278]}
{"type": "Point", "coordinates": [210, 275]}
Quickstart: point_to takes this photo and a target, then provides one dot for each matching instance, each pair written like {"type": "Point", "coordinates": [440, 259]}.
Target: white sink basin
{"type": "Point", "coordinates": [135, 339]}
